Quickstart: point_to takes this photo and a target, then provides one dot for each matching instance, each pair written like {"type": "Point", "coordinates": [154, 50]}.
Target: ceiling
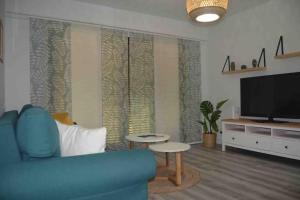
{"type": "Point", "coordinates": [174, 9]}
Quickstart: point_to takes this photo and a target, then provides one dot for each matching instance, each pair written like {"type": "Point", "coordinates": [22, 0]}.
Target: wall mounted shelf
{"type": "Point", "coordinates": [253, 69]}
{"type": "Point", "coordinates": [284, 55]}
{"type": "Point", "coordinates": [288, 55]}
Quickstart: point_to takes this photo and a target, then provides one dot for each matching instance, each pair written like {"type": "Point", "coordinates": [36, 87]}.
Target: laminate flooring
{"type": "Point", "coordinates": [238, 174]}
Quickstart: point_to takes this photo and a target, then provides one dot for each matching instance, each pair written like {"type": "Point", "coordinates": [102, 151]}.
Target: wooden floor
{"type": "Point", "coordinates": [239, 174]}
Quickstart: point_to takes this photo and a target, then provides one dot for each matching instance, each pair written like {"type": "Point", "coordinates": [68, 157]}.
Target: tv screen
{"type": "Point", "coordinates": [274, 96]}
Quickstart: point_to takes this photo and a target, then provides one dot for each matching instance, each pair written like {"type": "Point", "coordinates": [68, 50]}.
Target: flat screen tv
{"type": "Point", "coordinates": [273, 96]}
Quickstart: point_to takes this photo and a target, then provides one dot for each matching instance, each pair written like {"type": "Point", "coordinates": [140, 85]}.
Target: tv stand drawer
{"type": "Point", "coordinates": [233, 138]}
{"type": "Point", "coordinates": [286, 147]}
{"type": "Point", "coordinates": [257, 142]}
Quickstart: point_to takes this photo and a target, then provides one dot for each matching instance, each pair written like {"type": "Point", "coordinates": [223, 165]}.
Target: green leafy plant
{"type": "Point", "coordinates": [211, 116]}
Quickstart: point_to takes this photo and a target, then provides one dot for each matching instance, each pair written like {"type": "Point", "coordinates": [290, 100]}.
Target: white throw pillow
{"type": "Point", "coordinates": [76, 140]}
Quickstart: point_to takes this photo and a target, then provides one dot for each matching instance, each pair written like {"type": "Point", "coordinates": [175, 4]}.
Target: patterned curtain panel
{"type": "Point", "coordinates": [50, 65]}
{"type": "Point", "coordinates": [114, 58]}
{"type": "Point", "coordinates": [141, 84]}
{"type": "Point", "coordinates": [189, 90]}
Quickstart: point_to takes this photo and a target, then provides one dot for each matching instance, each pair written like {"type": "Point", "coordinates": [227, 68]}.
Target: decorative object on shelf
{"type": "Point", "coordinates": [243, 67]}
{"type": "Point", "coordinates": [209, 122]}
{"type": "Point", "coordinates": [232, 66]}
{"type": "Point", "coordinates": [284, 55]}
{"type": "Point", "coordinates": [1, 42]}
{"type": "Point", "coordinates": [206, 10]}
{"type": "Point", "coordinates": [254, 63]}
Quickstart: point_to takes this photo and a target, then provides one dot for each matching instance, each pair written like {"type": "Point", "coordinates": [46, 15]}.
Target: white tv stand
{"type": "Point", "coordinates": [280, 139]}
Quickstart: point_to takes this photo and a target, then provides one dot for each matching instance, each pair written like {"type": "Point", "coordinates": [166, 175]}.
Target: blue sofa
{"type": "Point", "coordinates": [31, 167]}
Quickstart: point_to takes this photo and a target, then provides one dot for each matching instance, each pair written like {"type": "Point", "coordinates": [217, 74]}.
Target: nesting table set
{"type": "Point", "coordinates": [160, 143]}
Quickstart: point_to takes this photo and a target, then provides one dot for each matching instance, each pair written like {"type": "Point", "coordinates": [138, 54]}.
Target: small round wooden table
{"type": "Point", "coordinates": [146, 138]}
{"type": "Point", "coordinates": [177, 148]}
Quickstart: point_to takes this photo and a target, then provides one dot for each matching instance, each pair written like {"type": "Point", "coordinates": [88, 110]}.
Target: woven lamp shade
{"type": "Point", "coordinates": [196, 8]}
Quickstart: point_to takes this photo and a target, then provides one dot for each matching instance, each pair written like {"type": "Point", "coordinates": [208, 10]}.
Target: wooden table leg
{"type": "Point", "coordinates": [167, 156]}
{"type": "Point", "coordinates": [178, 178]}
{"type": "Point", "coordinates": [167, 159]}
{"type": "Point", "coordinates": [131, 145]}
{"type": "Point", "coordinates": [182, 165]}
{"type": "Point", "coordinates": [178, 168]}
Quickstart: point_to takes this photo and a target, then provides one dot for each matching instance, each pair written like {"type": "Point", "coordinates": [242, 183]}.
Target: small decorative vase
{"type": "Point", "coordinates": [209, 140]}
{"type": "Point", "coordinates": [254, 63]}
{"type": "Point", "coordinates": [232, 66]}
{"type": "Point", "coordinates": [243, 67]}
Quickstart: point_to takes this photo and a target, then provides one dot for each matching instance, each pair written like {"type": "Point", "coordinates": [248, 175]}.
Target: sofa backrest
{"type": "Point", "coordinates": [24, 108]}
{"type": "Point", "coordinates": [9, 151]}
{"type": "Point", "coordinates": [37, 134]}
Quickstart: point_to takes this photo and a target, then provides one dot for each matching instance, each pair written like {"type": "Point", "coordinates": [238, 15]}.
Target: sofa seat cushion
{"type": "Point", "coordinates": [37, 134]}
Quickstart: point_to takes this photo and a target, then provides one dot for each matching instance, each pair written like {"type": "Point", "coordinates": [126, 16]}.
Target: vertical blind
{"type": "Point", "coordinates": [127, 83]}
{"type": "Point", "coordinates": [127, 78]}
{"type": "Point", "coordinates": [189, 90]}
{"type": "Point", "coordinates": [114, 58]}
{"type": "Point", "coordinates": [141, 83]}
{"type": "Point", "coordinates": [50, 65]}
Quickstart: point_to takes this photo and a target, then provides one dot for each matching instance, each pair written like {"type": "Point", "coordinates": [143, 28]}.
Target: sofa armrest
{"type": "Point", "coordinates": [78, 176]}
{"type": "Point", "coordinates": [9, 152]}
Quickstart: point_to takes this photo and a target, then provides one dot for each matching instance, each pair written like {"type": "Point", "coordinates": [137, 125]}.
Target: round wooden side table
{"type": "Point", "coordinates": [177, 148]}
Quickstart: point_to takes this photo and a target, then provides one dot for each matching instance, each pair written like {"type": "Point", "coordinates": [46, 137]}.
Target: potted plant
{"type": "Point", "coordinates": [209, 122]}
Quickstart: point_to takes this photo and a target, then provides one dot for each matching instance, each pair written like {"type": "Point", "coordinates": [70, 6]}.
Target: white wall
{"type": "Point", "coordinates": [2, 87]}
{"type": "Point", "coordinates": [17, 49]}
{"type": "Point", "coordinates": [242, 36]}
{"type": "Point", "coordinates": [17, 66]}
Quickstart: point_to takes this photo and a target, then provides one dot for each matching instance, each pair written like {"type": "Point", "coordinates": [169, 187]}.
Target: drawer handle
{"type": "Point", "coordinates": [256, 142]}
{"type": "Point", "coordinates": [233, 138]}
{"type": "Point", "coordinates": [286, 147]}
